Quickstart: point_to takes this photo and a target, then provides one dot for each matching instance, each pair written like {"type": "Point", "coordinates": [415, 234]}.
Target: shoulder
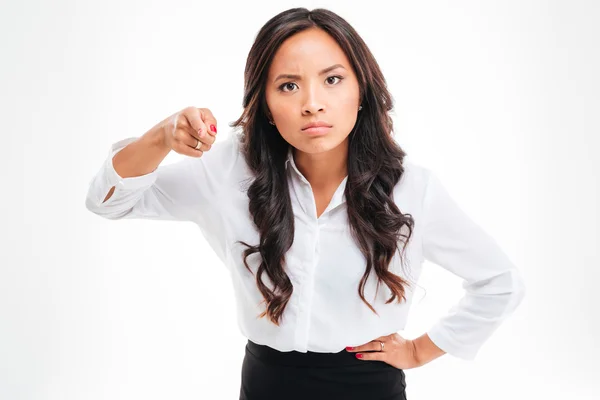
{"type": "Point", "coordinates": [415, 175]}
{"type": "Point", "coordinates": [410, 190]}
{"type": "Point", "coordinates": [414, 169]}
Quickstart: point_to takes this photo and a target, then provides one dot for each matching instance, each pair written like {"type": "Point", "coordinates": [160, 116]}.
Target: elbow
{"type": "Point", "coordinates": [91, 205]}
{"type": "Point", "coordinates": [103, 210]}
{"type": "Point", "coordinates": [516, 292]}
{"type": "Point", "coordinates": [520, 289]}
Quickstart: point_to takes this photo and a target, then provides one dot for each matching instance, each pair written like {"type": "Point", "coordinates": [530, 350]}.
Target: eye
{"type": "Point", "coordinates": [335, 76]}
{"type": "Point", "coordinates": [285, 85]}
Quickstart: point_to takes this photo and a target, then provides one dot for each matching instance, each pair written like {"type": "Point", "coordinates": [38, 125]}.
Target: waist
{"type": "Point", "coordinates": [300, 359]}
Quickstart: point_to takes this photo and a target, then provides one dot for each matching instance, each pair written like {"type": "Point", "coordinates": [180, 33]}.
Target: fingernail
{"type": "Point", "coordinates": [358, 355]}
{"type": "Point", "coordinates": [213, 128]}
{"type": "Point", "coordinates": [349, 348]}
{"type": "Point", "coordinates": [200, 133]}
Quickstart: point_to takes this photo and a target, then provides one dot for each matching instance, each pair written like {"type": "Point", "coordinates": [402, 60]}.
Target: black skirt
{"type": "Point", "coordinates": [268, 374]}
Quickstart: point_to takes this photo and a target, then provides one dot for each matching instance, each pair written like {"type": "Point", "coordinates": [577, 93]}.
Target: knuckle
{"type": "Point", "coordinates": [180, 119]}
{"type": "Point", "coordinates": [208, 114]}
{"type": "Point", "coordinates": [179, 135]}
{"type": "Point", "coordinates": [192, 133]}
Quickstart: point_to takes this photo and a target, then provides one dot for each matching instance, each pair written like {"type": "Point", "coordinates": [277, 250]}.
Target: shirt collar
{"type": "Point", "coordinates": [290, 157]}
{"type": "Point", "coordinates": [339, 196]}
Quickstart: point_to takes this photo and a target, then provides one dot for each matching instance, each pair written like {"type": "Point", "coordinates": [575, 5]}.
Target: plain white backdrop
{"type": "Point", "coordinates": [500, 98]}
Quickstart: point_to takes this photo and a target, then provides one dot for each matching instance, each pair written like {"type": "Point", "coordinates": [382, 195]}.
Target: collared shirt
{"type": "Point", "coordinates": [324, 263]}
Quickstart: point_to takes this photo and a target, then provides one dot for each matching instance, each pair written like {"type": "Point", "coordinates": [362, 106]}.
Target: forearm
{"type": "Point", "coordinates": [140, 157]}
{"type": "Point", "coordinates": [425, 350]}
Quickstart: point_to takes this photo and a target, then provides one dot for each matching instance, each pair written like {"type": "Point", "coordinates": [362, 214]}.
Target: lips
{"type": "Point", "coordinates": [316, 124]}
{"type": "Point", "coordinates": [317, 131]}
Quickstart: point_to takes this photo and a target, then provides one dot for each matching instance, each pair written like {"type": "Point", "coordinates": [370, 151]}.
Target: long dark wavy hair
{"type": "Point", "coordinates": [375, 163]}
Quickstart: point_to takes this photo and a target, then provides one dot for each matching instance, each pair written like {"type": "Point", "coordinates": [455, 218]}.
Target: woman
{"type": "Point", "coordinates": [321, 221]}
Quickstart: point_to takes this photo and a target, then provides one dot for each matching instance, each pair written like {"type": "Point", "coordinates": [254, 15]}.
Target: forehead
{"type": "Point", "coordinates": [308, 51]}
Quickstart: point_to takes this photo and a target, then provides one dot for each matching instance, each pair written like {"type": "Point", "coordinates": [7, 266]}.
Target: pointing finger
{"type": "Point", "coordinates": [194, 119]}
{"type": "Point", "coordinates": [209, 120]}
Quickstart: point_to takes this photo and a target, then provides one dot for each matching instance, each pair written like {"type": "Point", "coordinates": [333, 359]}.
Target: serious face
{"type": "Point", "coordinates": [311, 80]}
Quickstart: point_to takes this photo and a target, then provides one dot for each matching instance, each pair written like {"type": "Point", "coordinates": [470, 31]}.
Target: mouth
{"type": "Point", "coordinates": [316, 130]}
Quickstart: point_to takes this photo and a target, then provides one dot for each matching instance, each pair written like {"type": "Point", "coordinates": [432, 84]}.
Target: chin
{"type": "Point", "coordinates": [319, 144]}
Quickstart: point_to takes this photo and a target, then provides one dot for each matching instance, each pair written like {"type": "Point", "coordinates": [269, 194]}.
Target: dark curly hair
{"type": "Point", "coordinates": [375, 163]}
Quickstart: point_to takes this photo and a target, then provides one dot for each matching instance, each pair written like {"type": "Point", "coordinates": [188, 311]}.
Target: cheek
{"type": "Point", "coordinates": [347, 111]}
{"type": "Point", "coordinates": [283, 114]}
{"type": "Point", "coordinates": [349, 101]}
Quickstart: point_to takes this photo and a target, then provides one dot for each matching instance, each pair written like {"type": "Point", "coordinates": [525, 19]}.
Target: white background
{"type": "Point", "coordinates": [500, 98]}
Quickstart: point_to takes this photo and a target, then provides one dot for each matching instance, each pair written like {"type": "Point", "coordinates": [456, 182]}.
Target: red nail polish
{"type": "Point", "coordinates": [349, 348]}
{"type": "Point", "coordinates": [213, 128]}
{"type": "Point", "coordinates": [358, 355]}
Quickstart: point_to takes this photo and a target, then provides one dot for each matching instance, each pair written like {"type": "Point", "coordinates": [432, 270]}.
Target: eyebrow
{"type": "Point", "coordinates": [326, 70]}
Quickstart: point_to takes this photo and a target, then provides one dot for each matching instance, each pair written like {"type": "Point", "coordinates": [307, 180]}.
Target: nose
{"type": "Point", "coordinates": [312, 104]}
{"type": "Point", "coordinates": [311, 108]}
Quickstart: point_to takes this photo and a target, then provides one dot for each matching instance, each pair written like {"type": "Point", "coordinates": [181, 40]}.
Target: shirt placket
{"type": "Point", "coordinates": [308, 259]}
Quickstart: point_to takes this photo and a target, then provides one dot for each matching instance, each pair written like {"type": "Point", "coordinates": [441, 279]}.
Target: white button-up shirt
{"type": "Point", "coordinates": [325, 266]}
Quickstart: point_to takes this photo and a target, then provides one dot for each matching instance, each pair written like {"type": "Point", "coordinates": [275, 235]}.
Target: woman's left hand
{"type": "Point", "coordinates": [397, 351]}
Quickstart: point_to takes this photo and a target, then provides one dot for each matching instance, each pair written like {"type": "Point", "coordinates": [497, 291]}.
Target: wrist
{"type": "Point", "coordinates": [425, 350]}
{"type": "Point", "coordinates": [157, 138]}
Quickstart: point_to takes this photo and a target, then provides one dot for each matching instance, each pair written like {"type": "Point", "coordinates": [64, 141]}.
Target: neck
{"type": "Point", "coordinates": [325, 169]}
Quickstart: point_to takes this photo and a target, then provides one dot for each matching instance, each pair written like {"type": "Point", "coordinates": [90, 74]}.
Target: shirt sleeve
{"type": "Point", "coordinates": [178, 191]}
{"type": "Point", "coordinates": [493, 285]}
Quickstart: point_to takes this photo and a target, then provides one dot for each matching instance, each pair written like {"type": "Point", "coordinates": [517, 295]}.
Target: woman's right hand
{"type": "Point", "coordinates": [183, 130]}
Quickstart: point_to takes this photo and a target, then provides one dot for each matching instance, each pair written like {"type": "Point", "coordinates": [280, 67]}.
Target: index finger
{"type": "Point", "coordinates": [193, 116]}
{"type": "Point", "coordinates": [209, 120]}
